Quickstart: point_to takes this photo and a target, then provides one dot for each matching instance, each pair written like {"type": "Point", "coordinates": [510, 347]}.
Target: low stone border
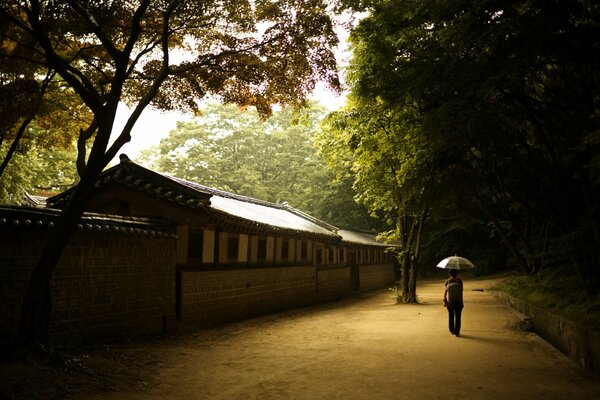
{"type": "Point", "coordinates": [577, 342]}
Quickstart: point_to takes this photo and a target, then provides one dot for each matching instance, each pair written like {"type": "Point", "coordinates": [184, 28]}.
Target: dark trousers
{"type": "Point", "coordinates": [454, 313]}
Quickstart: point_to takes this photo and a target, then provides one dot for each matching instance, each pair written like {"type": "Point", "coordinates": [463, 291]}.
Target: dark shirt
{"type": "Point", "coordinates": [454, 291]}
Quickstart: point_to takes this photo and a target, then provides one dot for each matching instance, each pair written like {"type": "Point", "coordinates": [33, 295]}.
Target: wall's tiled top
{"type": "Point", "coordinates": [36, 218]}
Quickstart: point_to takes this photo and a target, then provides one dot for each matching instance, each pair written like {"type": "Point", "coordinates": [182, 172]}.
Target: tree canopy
{"type": "Point", "coordinates": [168, 53]}
{"type": "Point", "coordinates": [489, 111]}
{"type": "Point", "coordinates": [37, 169]}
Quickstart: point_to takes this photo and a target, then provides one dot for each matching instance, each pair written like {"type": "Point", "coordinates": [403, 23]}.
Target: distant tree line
{"type": "Point", "coordinates": [272, 159]}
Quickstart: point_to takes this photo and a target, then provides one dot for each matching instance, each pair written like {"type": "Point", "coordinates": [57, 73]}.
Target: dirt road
{"type": "Point", "coordinates": [364, 348]}
{"type": "Point", "coordinates": [368, 348]}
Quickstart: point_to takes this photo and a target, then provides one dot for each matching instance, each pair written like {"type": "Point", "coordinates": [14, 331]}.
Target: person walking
{"type": "Point", "coordinates": [453, 301]}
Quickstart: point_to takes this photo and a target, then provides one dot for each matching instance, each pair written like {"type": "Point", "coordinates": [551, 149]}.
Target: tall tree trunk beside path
{"type": "Point", "coordinates": [414, 260]}
{"type": "Point", "coordinates": [410, 230]}
{"type": "Point", "coordinates": [405, 239]}
{"type": "Point", "coordinates": [36, 308]}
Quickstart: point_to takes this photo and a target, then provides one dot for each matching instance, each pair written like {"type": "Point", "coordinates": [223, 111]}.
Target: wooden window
{"type": "Point", "coordinates": [304, 250]}
{"type": "Point", "coordinates": [195, 245]}
{"type": "Point", "coordinates": [233, 245]}
{"type": "Point", "coordinates": [285, 249]}
{"type": "Point", "coordinates": [318, 256]}
{"type": "Point", "coordinates": [341, 255]}
{"type": "Point", "coordinates": [261, 252]}
{"type": "Point", "coordinates": [330, 254]}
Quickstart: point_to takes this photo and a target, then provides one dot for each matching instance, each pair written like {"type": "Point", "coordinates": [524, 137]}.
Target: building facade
{"type": "Point", "coordinates": [231, 256]}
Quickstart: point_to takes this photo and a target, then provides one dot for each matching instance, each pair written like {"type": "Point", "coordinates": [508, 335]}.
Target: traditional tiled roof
{"type": "Point", "coordinates": [13, 217]}
{"type": "Point", "coordinates": [155, 184]}
{"type": "Point", "coordinates": [260, 211]}
{"type": "Point", "coordinates": [34, 201]}
{"type": "Point", "coordinates": [364, 238]}
{"type": "Point", "coordinates": [236, 208]}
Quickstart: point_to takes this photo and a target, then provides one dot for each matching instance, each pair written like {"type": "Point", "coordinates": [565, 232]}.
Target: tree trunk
{"type": "Point", "coordinates": [15, 144]}
{"type": "Point", "coordinates": [406, 241]}
{"type": "Point", "coordinates": [414, 261]}
{"type": "Point", "coordinates": [405, 275]}
{"type": "Point", "coordinates": [34, 325]}
{"type": "Point", "coordinates": [412, 283]}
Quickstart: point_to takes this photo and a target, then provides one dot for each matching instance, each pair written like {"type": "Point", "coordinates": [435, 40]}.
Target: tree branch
{"type": "Point", "coordinates": [136, 27]}
{"type": "Point", "coordinates": [83, 87]}
{"type": "Point", "coordinates": [84, 136]}
{"type": "Point", "coordinates": [21, 131]}
{"type": "Point", "coordinates": [125, 135]}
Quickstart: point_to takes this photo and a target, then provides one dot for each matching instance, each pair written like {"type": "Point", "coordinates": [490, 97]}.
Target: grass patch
{"type": "Point", "coordinates": [398, 298]}
{"type": "Point", "coordinates": [557, 292]}
{"type": "Point", "coordinates": [396, 294]}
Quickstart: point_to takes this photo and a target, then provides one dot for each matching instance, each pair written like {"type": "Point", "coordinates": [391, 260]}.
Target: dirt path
{"type": "Point", "coordinates": [371, 349]}
{"type": "Point", "coordinates": [367, 348]}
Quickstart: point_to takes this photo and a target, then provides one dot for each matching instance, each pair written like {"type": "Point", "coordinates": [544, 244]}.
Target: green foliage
{"type": "Point", "coordinates": [499, 102]}
{"type": "Point", "coordinates": [15, 181]}
{"type": "Point", "coordinates": [274, 159]}
{"type": "Point", "coordinates": [376, 147]}
{"type": "Point", "coordinates": [39, 171]}
{"type": "Point", "coordinates": [558, 290]}
{"type": "Point", "coordinates": [170, 54]}
{"type": "Point", "coordinates": [396, 295]}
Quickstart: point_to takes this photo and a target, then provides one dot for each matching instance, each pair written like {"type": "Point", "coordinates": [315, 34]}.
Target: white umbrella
{"type": "Point", "coordinates": [455, 262]}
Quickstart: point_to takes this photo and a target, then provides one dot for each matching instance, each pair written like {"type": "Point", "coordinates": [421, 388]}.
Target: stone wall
{"type": "Point", "coordinates": [116, 277]}
{"type": "Point", "coordinates": [376, 276]}
{"type": "Point", "coordinates": [211, 297]}
{"type": "Point", "coordinates": [579, 343]}
{"type": "Point", "coordinates": [333, 283]}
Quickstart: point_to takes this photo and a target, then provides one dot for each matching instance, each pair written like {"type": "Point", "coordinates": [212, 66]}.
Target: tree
{"type": "Point", "coordinates": [507, 93]}
{"type": "Point", "coordinates": [37, 109]}
{"type": "Point", "coordinates": [378, 149]}
{"type": "Point", "coordinates": [41, 125]}
{"type": "Point", "coordinates": [38, 169]}
{"type": "Point", "coordinates": [271, 159]}
{"type": "Point", "coordinates": [165, 53]}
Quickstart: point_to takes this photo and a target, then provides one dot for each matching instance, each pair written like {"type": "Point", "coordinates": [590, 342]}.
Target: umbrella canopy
{"type": "Point", "coordinates": [455, 262]}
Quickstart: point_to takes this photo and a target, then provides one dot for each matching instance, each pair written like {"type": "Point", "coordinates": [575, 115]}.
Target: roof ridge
{"type": "Point", "coordinates": [224, 193]}
{"type": "Point", "coordinates": [309, 217]}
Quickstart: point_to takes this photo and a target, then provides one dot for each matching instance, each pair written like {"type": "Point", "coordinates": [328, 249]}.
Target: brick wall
{"type": "Point", "coordinates": [376, 276]}
{"type": "Point", "coordinates": [334, 283]}
{"type": "Point", "coordinates": [117, 277]}
{"type": "Point", "coordinates": [112, 280]}
{"type": "Point", "coordinates": [210, 297]}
